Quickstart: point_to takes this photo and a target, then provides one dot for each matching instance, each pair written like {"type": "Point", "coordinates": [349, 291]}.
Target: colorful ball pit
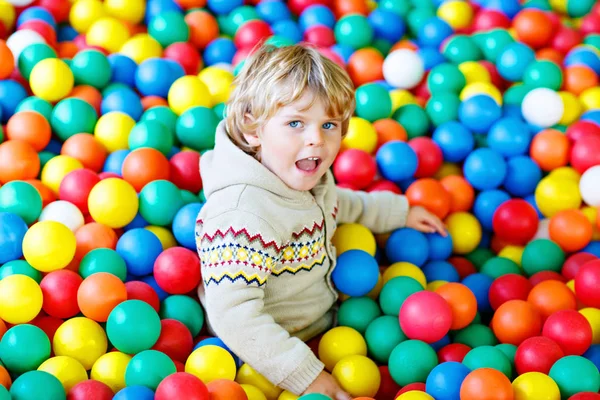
{"type": "Point", "coordinates": [484, 112]}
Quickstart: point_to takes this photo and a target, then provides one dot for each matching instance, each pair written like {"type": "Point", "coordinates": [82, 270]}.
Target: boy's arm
{"type": "Point", "coordinates": [236, 264]}
{"type": "Point", "coordinates": [380, 212]}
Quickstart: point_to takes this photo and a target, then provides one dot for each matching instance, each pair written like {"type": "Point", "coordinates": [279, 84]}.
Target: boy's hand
{"type": "Point", "coordinates": [327, 385]}
{"type": "Point", "coordinates": [422, 220]}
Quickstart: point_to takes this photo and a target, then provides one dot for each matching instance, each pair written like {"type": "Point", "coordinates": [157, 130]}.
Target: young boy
{"type": "Point", "coordinates": [264, 234]}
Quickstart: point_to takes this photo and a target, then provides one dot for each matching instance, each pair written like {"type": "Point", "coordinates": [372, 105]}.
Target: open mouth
{"type": "Point", "coordinates": [308, 164]}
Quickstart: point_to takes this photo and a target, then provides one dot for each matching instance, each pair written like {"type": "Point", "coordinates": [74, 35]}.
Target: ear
{"type": "Point", "coordinates": [251, 137]}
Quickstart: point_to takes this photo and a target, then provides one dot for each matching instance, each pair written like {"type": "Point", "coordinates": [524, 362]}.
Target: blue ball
{"type": "Point", "coordinates": [480, 285]}
{"type": "Point", "coordinates": [38, 13]}
{"type": "Point", "coordinates": [592, 116]}
{"type": "Point", "coordinates": [407, 244]}
{"type": "Point", "coordinates": [485, 169]}
{"type": "Point", "coordinates": [123, 69]}
{"type": "Point", "coordinates": [272, 11]}
{"type": "Point", "coordinates": [486, 240]}
{"type": "Point", "coordinates": [220, 50]}
{"type": "Point", "coordinates": [440, 271]}
{"type": "Point", "coordinates": [510, 137]}
{"type": "Point", "coordinates": [139, 248]}
{"type": "Point", "coordinates": [592, 248]}
{"type": "Point", "coordinates": [433, 32]}
{"type": "Point", "coordinates": [287, 29]}
{"type": "Point", "coordinates": [387, 25]}
{"type": "Point", "coordinates": [136, 392]}
{"type": "Point", "coordinates": [522, 176]}
{"type": "Point", "coordinates": [12, 232]}
{"type": "Point", "coordinates": [455, 141]}
{"type": "Point", "coordinates": [479, 112]}
{"type": "Point", "coordinates": [151, 280]}
{"type": "Point", "coordinates": [114, 161]}
{"type": "Point", "coordinates": [138, 222]}
{"type": "Point", "coordinates": [531, 200]}
{"type": "Point", "coordinates": [224, 6]}
{"type": "Point", "coordinates": [513, 60]}
{"type": "Point", "coordinates": [215, 341]}
{"type": "Point", "coordinates": [431, 57]}
{"type": "Point", "coordinates": [445, 341]}
{"type": "Point", "coordinates": [156, 7]}
{"type": "Point", "coordinates": [316, 15]}
{"type": "Point", "coordinates": [11, 94]}
{"type": "Point", "coordinates": [184, 225]}
{"type": "Point", "coordinates": [124, 100]}
{"type": "Point", "coordinates": [486, 204]}
{"type": "Point", "coordinates": [155, 76]}
{"type": "Point", "coordinates": [344, 51]}
{"type": "Point", "coordinates": [510, 8]}
{"type": "Point", "coordinates": [396, 161]}
{"type": "Point", "coordinates": [440, 247]}
{"type": "Point", "coordinates": [593, 354]}
{"type": "Point", "coordinates": [66, 33]}
{"type": "Point", "coordinates": [583, 56]}
{"type": "Point", "coordinates": [444, 381]}
{"type": "Point", "coordinates": [54, 146]}
{"type": "Point", "coordinates": [356, 273]}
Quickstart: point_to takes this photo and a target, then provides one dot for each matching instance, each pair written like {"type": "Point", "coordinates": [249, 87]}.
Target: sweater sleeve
{"type": "Point", "coordinates": [236, 265]}
{"type": "Point", "coordinates": [380, 211]}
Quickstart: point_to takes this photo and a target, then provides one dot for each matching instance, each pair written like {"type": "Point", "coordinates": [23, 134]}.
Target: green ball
{"type": "Point", "coordinates": [479, 256]}
{"type": "Point", "coordinates": [411, 361]}
{"type": "Point", "coordinates": [103, 260]}
{"type": "Point", "coordinates": [36, 385]}
{"type": "Point", "coordinates": [72, 116]}
{"type": "Point", "coordinates": [91, 67]}
{"type": "Point", "coordinates": [400, 7]}
{"type": "Point", "coordinates": [153, 134]}
{"type": "Point", "coordinates": [461, 48]}
{"type": "Point", "coordinates": [148, 368]}
{"type": "Point", "coordinates": [579, 8]}
{"type": "Point", "coordinates": [133, 326]}
{"type": "Point", "coordinates": [161, 114]}
{"type": "Point", "coordinates": [542, 255]}
{"type": "Point", "coordinates": [33, 103]}
{"type": "Point", "coordinates": [493, 42]}
{"type": "Point", "coordinates": [382, 337]}
{"type": "Point", "coordinates": [498, 266]}
{"type": "Point", "coordinates": [509, 350]}
{"type": "Point", "coordinates": [538, 4]}
{"type": "Point", "coordinates": [395, 292]}
{"type": "Point", "coordinates": [169, 27]}
{"type": "Point", "coordinates": [185, 310]}
{"type": "Point", "coordinates": [219, 110]}
{"type": "Point", "coordinates": [188, 197]}
{"type": "Point", "coordinates": [444, 78]}
{"type": "Point", "coordinates": [574, 374]}
{"type": "Point", "coordinates": [515, 94]}
{"type": "Point", "coordinates": [33, 54]}
{"type": "Point", "coordinates": [443, 107]}
{"type": "Point", "coordinates": [202, 196]}
{"type": "Point", "coordinates": [358, 313]}
{"type": "Point", "coordinates": [543, 73]}
{"type": "Point", "coordinates": [373, 102]}
{"type": "Point", "coordinates": [414, 120]}
{"type": "Point", "coordinates": [480, 140]}
{"type": "Point", "coordinates": [114, 86]}
{"type": "Point", "coordinates": [24, 348]}
{"type": "Point", "coordinates": [417, 17]}
{"type": "Point", "coordinates": [159, 202]}
{"type": "Point", "coordinates": [239, 17]}
{"type": "Point", "coordinates": [593, 39]}
{"type": "Point", "coordinates": [488, 357]}
{"type": "Point", "coordinates": [475, 335]}
{"type": "Point", "coordinates": [278, 41]}
{"type": "Point", "coordinates": [21, 198]}
{"type": "Point", "coordinates": [196, 128]}
{"type": "Point", "coordinates": [354, 30]}
{"type": "Point", "coordinates": [44, 157]}
{"type": "Point", "coordinates": [20, 267]}
{"type": "Point", "coordinates": [314, 396]}
{"type": "Point", "coordinates": [4, 393]}
{"type": "Point", "coordinates": [382, 46]}
{"type": "Point", "coordinates": [1, 131]}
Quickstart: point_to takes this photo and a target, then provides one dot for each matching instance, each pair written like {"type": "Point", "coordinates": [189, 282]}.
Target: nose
{"type": "Point", "coordinates": [315, 137]}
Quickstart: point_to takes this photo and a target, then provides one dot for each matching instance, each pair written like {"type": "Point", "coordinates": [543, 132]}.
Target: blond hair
{"type": "Point", "coordinates": [274, 77]}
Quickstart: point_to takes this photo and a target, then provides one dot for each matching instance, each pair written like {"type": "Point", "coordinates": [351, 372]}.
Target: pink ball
{"type": "Point", "coordinates": [429, 155]}
{"type": "Point", "coordinates": [515, 222]}
{"type": "Point", "coordinates": [355, 167]}
{"type": "Point", "coordinates": [186, 55]}
{"type": "Point", "coordinates": [76, 187]}
{"type": "Point", "coordinates": [574, 263]}
{"type": "Point", "coordinates": [185, 172]}
{"type": "Point", "coordinates": [59, 289]}
{"type": "Point", "coordinates": [90, 389]}
{"type": "Point", "coordinates": [106, 175]}
{"type": "Point", "coordinates": [177, 270]}
{"type": "Point", "coordinates": [570, 330]}
{"type": "Point", "coordinates": [587, 282]}
{"type": "Point", "coordinates": [585, 153]}
{"type": "Point", "coordinates": [320, 35]}
{"type": "Point", "coordinates": [252, 33]}
{"type": "Point", "coordinates": [384, 185]}
{"type": "Point", "coordinates": [182, 385]}
{"type": "Point", "coordinates": [425, 316]}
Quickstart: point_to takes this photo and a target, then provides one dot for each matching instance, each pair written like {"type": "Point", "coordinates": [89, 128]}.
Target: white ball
{"type": "Point", "coordinates": [20, 3]}
{"type": "Point", "coordinates": [64, 212]}
{"type": "Point", "coordinates": [19, 40]}
{"type": "Point", "coordinates": [543, 231]}
{"type": "Point", "coordinates": [403, 69]}
{"type": "Point", "coordinates": [542, 107]}
{"type": "Point", "coordinates": [589, 186]}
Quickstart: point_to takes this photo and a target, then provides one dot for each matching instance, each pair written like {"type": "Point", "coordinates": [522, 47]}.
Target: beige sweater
{"type": "Point", "coordinates": [267, 259]}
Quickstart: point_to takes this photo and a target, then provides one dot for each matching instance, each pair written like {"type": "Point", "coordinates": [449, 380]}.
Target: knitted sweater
{"type": "Point", "coordinates": [267, 258]}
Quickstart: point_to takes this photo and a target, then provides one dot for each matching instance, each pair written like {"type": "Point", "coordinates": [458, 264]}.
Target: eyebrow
{"type": "Point", "coordinates": [295, 116]}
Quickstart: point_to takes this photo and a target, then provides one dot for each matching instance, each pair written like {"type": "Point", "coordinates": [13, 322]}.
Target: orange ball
{"type": "Point", "coordinates": [515, 321]}
{"type": "Point", "coordinates": [31, 127]}
{"type": "Point", "coordinates": [7, 61]}
{"type": "Point", "coordinates": [47, 194]}
{"type": "Point", "coordinates": [18, 161]}
{"type": "Point", "coordinates": [571, 230]}
{"type": "Point", "coordinates": [533, 27]}
{"type": "Point", "coordinates": [550, 149]}
{"type": "Point", "coordinates": [551, 296]}
{"type": "Point", "coordinates": [387, 130]}
{"type": "Point", "coordinates": [461, 192]}
{"type": "Point", "coordinates": [486, 384]}
{"type": "Point", "coordinates": [598, 217]}
{"type": "Point", "coordinates": [2, 328]}
{"type": "Point", "coordinates": [345, 7]}
{"type": "Point", "coordinates": [89, 94]}
{"type": "Point", "coordinates": [99, 293]}
{"type": "Point", "coordinates": [153, 101]}
{"type": "Point", "coordinates": [404, 44]}
{"type": "Point", "coordinates": [189, 4]}
{"type": "Point", "coordinates": [203, 28]}
{"type": "Point", "coordinates": [578, 78]}
{"type": "Point", "coordinates": [92, 236]}
{"type": "Point", "coordinates": [364, 66]}
{"type": "Point", "coordinates": [87, 149]}
{"type": "Point", "coordinates": [224, 389]}
{"type": "Point", "coordinates": [66, 50]}
{"type": "Point", "coordinates": [429, 193]}
{"type": "Point", "coordinates": [462, 301]}
{"type": "Point", "coordinates": [550, 54]}
{"type": "Point", "coordinates": [143, 166]}
{"type": "Point", "coordinates": [5, 379]}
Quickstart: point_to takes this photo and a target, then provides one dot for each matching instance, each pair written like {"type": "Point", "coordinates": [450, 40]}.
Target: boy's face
{"type": "Point", "coordinates": [299, 143]}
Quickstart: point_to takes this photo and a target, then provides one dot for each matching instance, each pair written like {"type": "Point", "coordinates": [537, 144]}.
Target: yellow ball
{"type": "Point", "coordinates": [555, 194]}
{"type": "Point", "coordinates": [414, 395]}
{"type": "Point", "coordinates": [572, 108]}
{"type": "Point", "coordinates": [571, 285]}
{"type": "Point", "coordinates": [448, 169]}
{"type": "Point", "coordinates": [110, 369]}
{"type": "Point", "coordinates": [340, 342]}
{"type": "Point", "coordinates": [374, 293]}
{"type": "Point", "coordinates": [358, 375]}
{"type": "Point", "coordinates": [113, 202]}
{"type": "Point", "coordinates": [514, 253]}
{"type": "Point", "coordinates": [285, 395]}
{"type": "Point", "coordinates": [141, 47]}
{"type": "Point", "coordinates": [475, 88]}
{"type": "Point", "coordinates": [187, 92]}
{"type": "Point", "coordinates": [253, 392]}
{"type": "Point", "coordinates": [56, 169]}
{"type": "Point", "coordinates": [474, 72]}
{"type": "Point", "coordinates": [112, 130]}
{"type": "Point", "coordinates": [593, 317]}
{"type": "Point", "coordinates": [559, 5]}
{"type": "Point", "coordinates": [354, 237]}
{"type": "Point", "coordinates": [84, 13]}
{"type": "Point", "coordinates": [590, 98]}
{"type": "Point", "coordinates": [457, 13]}
{"type": "Point", "coordinates": [465, 230]}
{"type": "Point", "coordinates": [127, 10]}
{"type": "Point", "coordinates": [535, 386]}
{"type": "Point", "coordinates": [49, 246]}
{"type": "Point", "coordinates": [404, 268]}
{"type": "Point", "coordinates": [401, 97]}
{"type": "Point", "coordinates": [210, 363]}
{"type": "Point", "coordinates": [67, 370]}
{"type": "Point", "coordinates": [167, 240]}
{"type": "Point", "coordinates": [248, 376]}
{"type": "Point", "coordinates": [591, 213]}
{"type": "Point", "coordinates": [565, 173]}
{"type": "Point", "coordinates": [20, 299]}
{"type": "Point", "coordinates": [108, 33]}
{"type": "Point", "coordinates": [51, 79]}
{"type": "Point", "coordinates": [7, 14]}
{"type": "Point", "coordinates": [434, 285]}
{"type": "Point", "coordinates": [82, 339]}
{"type": "Point", "coordinates": [218, 81]}
{"type": "Point", "coordinates": [361, 135]}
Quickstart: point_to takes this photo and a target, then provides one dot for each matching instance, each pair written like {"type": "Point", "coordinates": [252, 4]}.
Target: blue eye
{"type": "Point", "coordinates": [329, 125]}
{"type": "Point", "coordinates": [294, 124]}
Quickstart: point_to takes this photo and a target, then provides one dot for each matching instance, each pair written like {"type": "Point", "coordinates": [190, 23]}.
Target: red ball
{"type": "Point", "coordinates": [582, 129]}
{"type": "Point", "coordinates": [76, 187]}
{"type": "Point", "coordinates": [497, 79]}
{"type": "Point", "coordinates": [585, 396]}
{"type": "Point", "coordinates": [297, 6]}
{"type": "Point", "coordinates": [565, 39]}
{"type": "Point", "coordinates": [515, 222]}
{"type": "Point", "coordinates": [177, 270]}
{"type": "Point", "coordinates": [537, 354]}
{"type": "Point", "coordinates": [43, 28]}
{"type": "Point", "coordinates": [418, 386]}
{"type": "Point", "coordinates": [383, 185]}
{"type": "Point", "coordinates": [186, 55]}
{"type": "Point", "coordinates": [60, 293]}
{"type": "Point", "coordinates": [429, 155]}
{"type": "Point", "coordinates": [106, 175]}
{"type": "Point", "coordinates": [320, 35]}
{"type": "Point", "coordinates": [590, 24]}
{"type": "Point", "coordinates": [463, 266]}
{"type": "Point", "coordinates": [355, 167]}
{"type": "Point", "coordinates": [509, 287]}
{"type": "Point", "coordinates": [570, 330]}
{"type": "Point", "coordinates": [175, 340]}
{"type": "Point", "coordinates": [574, 263]}
{"type": "Point", "coordinates": [138, 290]}
{"type": "Point", "coordinates": [185, 170]}
{"type": "Point", "coordinates": [453, 352]}
{"type": "Point", "coordinates": [388, 387]}
{"type": "Point", "coordinates": [587, 282]}
{"type": "Point", "coordinates": [48, 324]}
{"type": "Point", "coordinates": [585, 153]}
{"type": "Point", "coordinates": [425, 316]}
{"type": "Point", "coordinates": [182, 385]}
{"type": "Point", "coordinates": [546, 276]}
{"type": "Point", "coordinates": [58, 8]}
{"type": "Point", "coordinates": [486, 20]}
{"type": "Point", "coordinates": [90, 389]}
{"type": "Point", "coordinates": [251, 33]}
{"type": "Point", "coordinates": [332, 55]}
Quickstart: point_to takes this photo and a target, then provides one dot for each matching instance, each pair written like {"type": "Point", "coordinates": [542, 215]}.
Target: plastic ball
{"type": "Point", "coordinates": [102, 202]}
{"type": "Point", "coordinates": [37, 384]}
{"type": "Point", "coordinates": [248, 376]}
{"type": "Point", "coordinates": [140, 48]}
{"type": "Point", "coordinates": [589, 193]}
{"type": "Point", "coordinates": [91, 67]}
{"type": "Point", "coordinates": [455, 141]}
{"type": "Point", "coordinates": [143, 166]}
{"type": "Point", "coordinates": [577, 225]}
{"type": "Point", "coordinates": [419, 355]}
{"type": "Point", "coordinates": [542, 107]}
{"type": "Point", "coordinates": [462, 302]}
{"type": "Point", "coordinates": [515, 222]}
{"type": "Point", "coordinates": [183, 225]}
{"type": "Point", "coordinates": [88, 388]}
{"type": "Point", "coordinates": [542, 255]}
{"type": "Point", "coordinates": [184, 309]}
{"type": "Point", "coordinates": [357, 375]}
{"type": "Point", "coordinates": [397, 161]}
{"type": "Point", "coordinates": [24, 348]}
{"type": "Point", "coordinates": [429, 193]}
{"type": "Point", "coordinates": [584, 153]}
{"type": "Point", "coordinates": [586, 279]}
{"type": "Point", "coordinates": [148, 368]}
{"type": "Point", "coordinates": [110, 369]}
{"type": "Point", "coordinates": [182, 385]}
{"type": "Point", "coordinates": [99, 293]}
{"type": "Point", "coordinates": [515, 321]}
{"type": "Point", "coordinates": [479, 113]}
{"type": "Point", "coordinates": [485, 169]}
{"type": "Point", "coordinates": [18, 161]}
{"type": "Point", "coordinates": [75, 189]}
{"type": "Point", "coordinates": [403, 69]}
{"type": "Point", "coordinates": [553, 195]}
{"type": "Point", "coordinates": [82, 339]}
{"type": "Point", "coordinates": [465, 231]}
{"type": "Point", "coordinates": [22, 199]}
{"type": "Point", "coordinates": [485, 380]}
{"type": "Point", "coordinates": [64, 212]}
{"type": "Point", "coordinates": [49, 245]}
{"type": "Point", "coordinates": [138, 290]}
{"type": "Point", "coordinates": [338, 343]}
{"type": "Point", "coordinates": [575, 374]}
{"type": "Point", "coordinates": [177, 270]}
{"type": "Point", "coordinates": [69, 371]}
{"type": "Point", "coordinates": [415, 248]}
{"type": "Point", "coordinates": [428, 327]}
{"type": "Point", "coordinates": [72, 116]}
{"type": "Point", "coordinates": [59, 289]}
{"type": "Point", "coordinates": [107, 33]}
{"type": "Point", "coordinates": [56, 169]}
{"type": "Point", "coordinates": [159, 202]}
{"type": "Point", "coordinates": [187, 92]}
{"type": "Point", "coordinates": [509, 287]}
{"type": "Point", "coordinates": [355, 167]}
{"type": "Point", "coordinates": [537, 354]}
{"type": "Point", "coordinates": [167, 71]}
{"type": "Point", "coordinates": [223, 389]}
{"type": "Point", "coordinates": [133, 326]}
{"type": "Point", "coordinates": [570, 330]}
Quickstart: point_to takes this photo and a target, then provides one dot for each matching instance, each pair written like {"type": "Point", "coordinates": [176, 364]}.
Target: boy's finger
{"type": "Point", "coordinates": [343, 396]}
